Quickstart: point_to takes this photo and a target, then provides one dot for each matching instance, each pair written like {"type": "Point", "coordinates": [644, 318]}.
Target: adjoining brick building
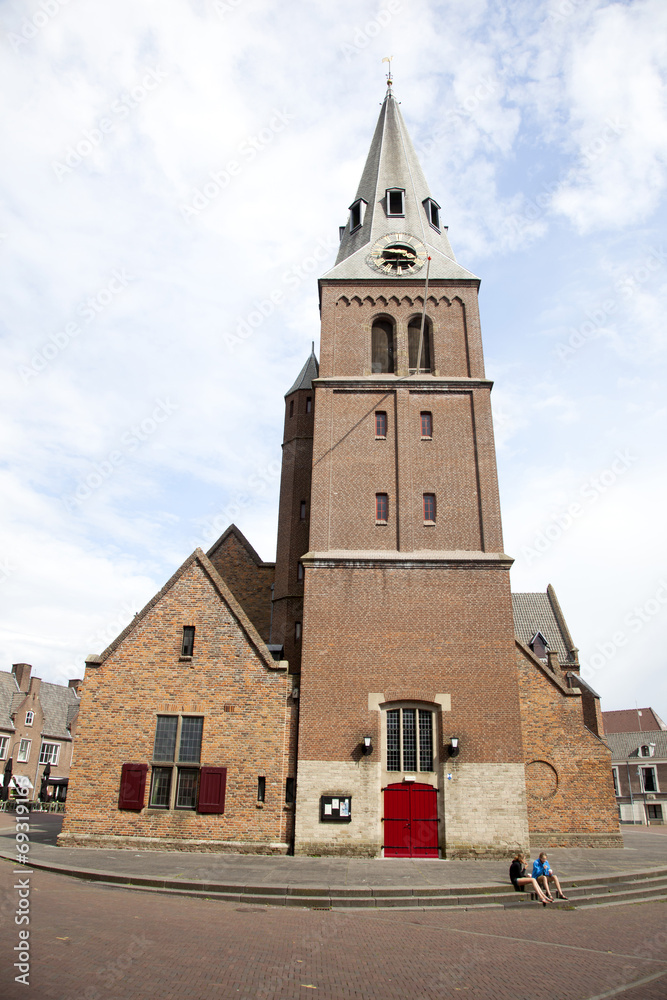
{"type": "Point", "coordinates": [37, 725]}
{"type": "Point", "coordinates": [435, 716]}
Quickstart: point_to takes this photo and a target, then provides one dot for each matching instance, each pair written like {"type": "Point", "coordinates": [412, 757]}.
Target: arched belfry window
{"type": "Point", "coordinates": [382, 346]}
{"type": "Point", "coordinates": [414, 333]}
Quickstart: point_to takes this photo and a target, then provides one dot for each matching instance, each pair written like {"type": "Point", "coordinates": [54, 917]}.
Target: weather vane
{"type": "Point", "coordinates": [387, 59]}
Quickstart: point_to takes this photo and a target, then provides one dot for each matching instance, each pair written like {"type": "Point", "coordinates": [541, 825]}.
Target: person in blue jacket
{"type": "Point", "coordinates": [543, 873]}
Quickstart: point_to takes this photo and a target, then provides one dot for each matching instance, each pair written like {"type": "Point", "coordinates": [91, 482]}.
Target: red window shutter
{"type": "Point", "coordinates": [212, 786]}
{"type": "Point", "coordinates": [132, 786]}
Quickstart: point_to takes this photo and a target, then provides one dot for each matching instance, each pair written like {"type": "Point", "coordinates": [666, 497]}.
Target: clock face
{"type": "Point", "coordinates": [397, 254]}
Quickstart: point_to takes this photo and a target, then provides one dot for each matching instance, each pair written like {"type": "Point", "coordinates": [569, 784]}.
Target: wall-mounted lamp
{"type": "Point", "coordinates": [367, 746]}
{"type": "Point", "coordinates": [454, 746]}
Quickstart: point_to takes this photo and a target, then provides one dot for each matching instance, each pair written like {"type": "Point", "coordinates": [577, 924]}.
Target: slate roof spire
{"type": "Point", "coordinates": [310, 370]}
{"type": "Point", "coordinates": [393, 163]}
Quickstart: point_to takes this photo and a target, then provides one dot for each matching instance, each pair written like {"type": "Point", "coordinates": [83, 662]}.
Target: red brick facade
{"type": "Point", "coordinates": [568, 774]}
{"type": "Point", "coordinates": [231, 681]}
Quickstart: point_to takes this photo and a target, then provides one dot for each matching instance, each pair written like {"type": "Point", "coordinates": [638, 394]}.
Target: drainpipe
{"type": "Point", "coordinates": [271, 622]}
{"type": "Point", "coordinates": [632, 801]}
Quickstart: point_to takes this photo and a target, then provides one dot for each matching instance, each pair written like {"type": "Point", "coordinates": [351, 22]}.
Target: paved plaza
{"type": "Point", "coordinates": [93, 942]}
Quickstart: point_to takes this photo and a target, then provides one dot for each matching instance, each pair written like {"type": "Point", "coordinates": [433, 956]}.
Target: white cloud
{"type": "Point", "coordinates": [502, 101]}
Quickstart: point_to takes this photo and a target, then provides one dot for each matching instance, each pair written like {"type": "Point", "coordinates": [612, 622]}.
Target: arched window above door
{"type": "Point", "coordinates": [382, 347]}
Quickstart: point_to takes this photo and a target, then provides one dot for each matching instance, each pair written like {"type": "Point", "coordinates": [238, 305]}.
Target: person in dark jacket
{"type": "Point", "coordinates": [520, 880]}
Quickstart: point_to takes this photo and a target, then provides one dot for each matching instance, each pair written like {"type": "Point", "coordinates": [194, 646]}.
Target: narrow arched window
{"type": "Point", "coordinates": [382, 346]}
{"type": "Point", "coordinates": [414, 334]}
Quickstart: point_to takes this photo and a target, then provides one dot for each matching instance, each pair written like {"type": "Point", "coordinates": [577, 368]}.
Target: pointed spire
{"type": "Point", "coordinates": [392, 165]}
{"type": "Point", "coordinates": [310, 370]}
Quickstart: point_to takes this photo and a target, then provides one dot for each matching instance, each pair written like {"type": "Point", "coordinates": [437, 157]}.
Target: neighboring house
{"type": "Point", "coordinates": [632, 720]}
{"type": "Point", "coordinates": [37, 726]}
{"type": "Point", "coordinates": [639, 765]}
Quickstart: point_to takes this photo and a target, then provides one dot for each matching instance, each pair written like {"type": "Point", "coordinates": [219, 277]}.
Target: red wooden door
{"type": "Point", "coordinates": [410, 821]}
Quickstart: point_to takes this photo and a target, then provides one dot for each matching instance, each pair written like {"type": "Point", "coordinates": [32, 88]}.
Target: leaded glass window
{"type": "Point", "coordinates": [394, 739]}
{"type": "Point", "coordinates": [190, 745]}
{"type": "Point", "coordinates": [409, 739]}
{"type": "Point", "coordinates": [165, 737]}
{"type": "Point", "coordinates": [186, 789]}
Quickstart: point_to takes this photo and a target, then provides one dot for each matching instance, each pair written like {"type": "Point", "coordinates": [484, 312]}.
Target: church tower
{"type": "Point", "coordinates": [409, 734]}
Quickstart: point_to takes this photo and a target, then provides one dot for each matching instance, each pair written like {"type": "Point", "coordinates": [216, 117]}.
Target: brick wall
{"type": "Point", "coordinates": [247, 712]}
{"type": "Point", "coordinates": [568, 768]}
{"type": "Point", "coordinates": [248, 577]}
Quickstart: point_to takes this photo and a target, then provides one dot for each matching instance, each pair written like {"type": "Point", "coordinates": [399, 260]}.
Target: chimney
{"type": "Point", "coordinates": [35, 685]}
{"type": "Point", "coordinates": [21, 672]}
{"type": "Point", "coordinates": [552, 660]}
{"type": "Point", "coordinates": [76, 683]}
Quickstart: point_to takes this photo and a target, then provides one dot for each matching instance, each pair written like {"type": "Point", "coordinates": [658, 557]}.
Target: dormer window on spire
{"type": "Point", "coordinates": [432, 212]}
{"type": "Point", "coordinates": [357, 212]}
{"type": "Point", "coordinates": [395, 201]}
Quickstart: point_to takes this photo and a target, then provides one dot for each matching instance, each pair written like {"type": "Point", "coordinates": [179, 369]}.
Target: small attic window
{"type": "Point", "coordinates": [647, 750]}
{"type": "Point", "coordinates": [357, 212]}
{"type": "Point", "coordinates": [395, 201]}
{"type": "Point", "coordinates": [432, 212]}
{"type": "Point", "coordinates": [539, 646]}
{"type": "Point", "coordinates": [188, 645]}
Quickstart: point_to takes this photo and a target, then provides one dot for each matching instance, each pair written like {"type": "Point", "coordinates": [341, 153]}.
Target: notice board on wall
{"type": "Point", "coordinates": [335, 808]}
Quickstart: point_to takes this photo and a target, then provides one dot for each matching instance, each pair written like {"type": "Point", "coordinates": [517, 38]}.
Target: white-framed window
{"type": "Point", "coordinates": [24, 751]}
{"type": "Point", "coordinates": [4, 743]}
{"type": "Point", "coordinates": [647, 750]}
{"type": "Point", "coordinates": [29, 718]}
{"type": "Point", "coordinates": [648, 778]}
{"type": "Point", "coordinates": [49, 753]}
{"type": "Point", "coordinates": [617, 786]}
{"type": "Point", "coordinates": [395, 201]}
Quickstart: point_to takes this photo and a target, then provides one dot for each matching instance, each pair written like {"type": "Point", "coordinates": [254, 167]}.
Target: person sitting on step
{"type": "Point", "coordinates": [543, 872]}
{"type": "Point", "coordinates": [519, 879]}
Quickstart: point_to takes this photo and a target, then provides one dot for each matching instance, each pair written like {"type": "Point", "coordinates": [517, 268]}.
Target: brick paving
{"type": "Point", "coordinates": [92, 942]}
{"type": "Point", "coordinates": [644, 849]}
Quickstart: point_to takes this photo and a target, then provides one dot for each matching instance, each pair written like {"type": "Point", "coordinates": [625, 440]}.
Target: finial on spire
{"type": "Point", "coordinates": [387, 59]}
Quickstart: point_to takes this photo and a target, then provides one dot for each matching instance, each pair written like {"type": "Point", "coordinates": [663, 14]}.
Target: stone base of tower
{"type": "Point", "coordinates": [485, 810]}
{"type": "Point", "coordinates": [482, 810]}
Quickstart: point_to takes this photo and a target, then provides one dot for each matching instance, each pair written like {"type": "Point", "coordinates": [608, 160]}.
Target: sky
{"type": "Point", "coordinates": [172, 168]}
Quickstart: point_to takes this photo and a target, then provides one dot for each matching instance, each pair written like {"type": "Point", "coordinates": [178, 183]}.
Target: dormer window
{"type": "Point", "coordinates": [647, 750]}
{"type": "Point", "coordinates": [395, 201]}
{"type": "Point", "coordinates": [539, 646]}
{"type": "Point", "coordinates": [432, 213]}
{"type": "Point", "coordinates": [357, 212]}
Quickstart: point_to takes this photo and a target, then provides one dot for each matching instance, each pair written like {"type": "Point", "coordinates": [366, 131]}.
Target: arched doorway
{"type": "Point", "coordinates": [410, 820]}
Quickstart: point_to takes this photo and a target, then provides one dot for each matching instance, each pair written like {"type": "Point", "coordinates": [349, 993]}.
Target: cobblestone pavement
{"type": "Point", "coordinates": [645, 848]}
{"type": "Point", "coordinates": [90, 942]}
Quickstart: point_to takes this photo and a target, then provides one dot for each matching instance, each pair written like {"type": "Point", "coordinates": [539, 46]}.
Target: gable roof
{"type": "Point", "coordinates": [232, 530]}
{"type": "Point", "coordinates": [541, 613]}
{"type": "Point", "coordinates": [632, 720]}
{"type": "Point", "coordinates": [226, 597]}
{"type": "Point", "coordinates": [8, 688]}
{"type": "Point", "coordinates": [60, 706]}
{"type": "Point", "coordinates": [626, 745]}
